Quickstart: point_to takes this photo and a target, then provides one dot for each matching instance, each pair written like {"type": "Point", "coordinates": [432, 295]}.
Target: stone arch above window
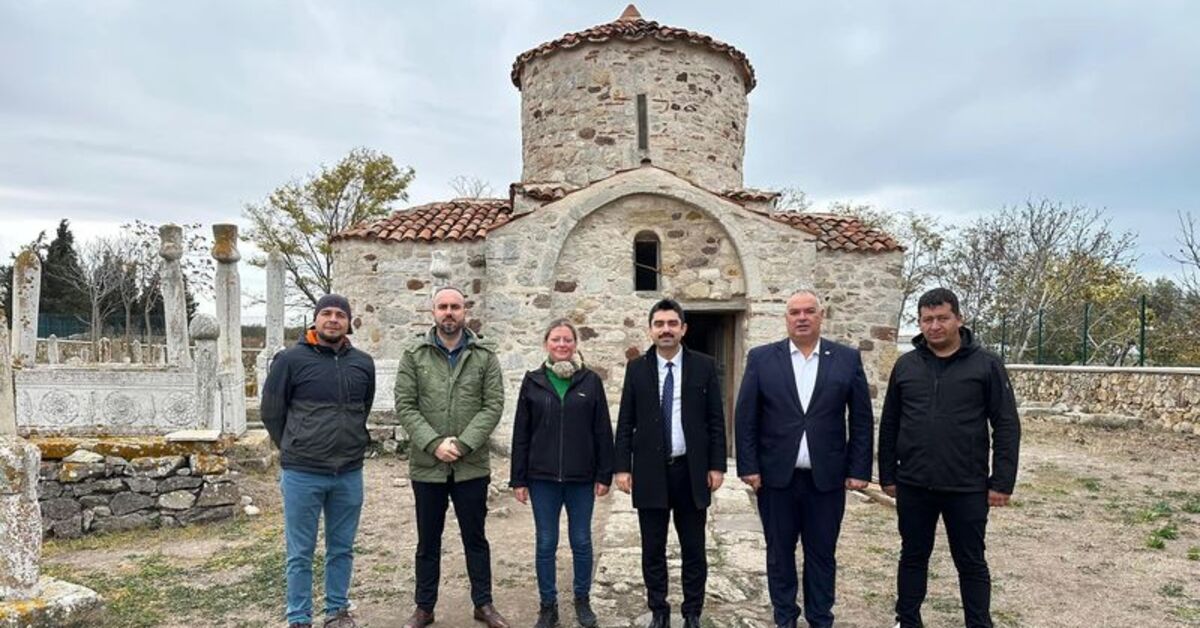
{"type": "Point", "coordinates": [647, 261]}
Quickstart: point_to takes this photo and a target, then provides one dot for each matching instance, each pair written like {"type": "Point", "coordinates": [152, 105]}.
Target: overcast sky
{"type": "Point", "coordinates": [184, 111]}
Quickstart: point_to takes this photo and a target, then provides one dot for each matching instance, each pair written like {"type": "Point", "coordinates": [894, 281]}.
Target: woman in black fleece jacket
{"type": "Point", "coordinates": [562, 455]}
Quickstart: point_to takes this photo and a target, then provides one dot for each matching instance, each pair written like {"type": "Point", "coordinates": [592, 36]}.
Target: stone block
{"type": "Point", "coordinates": [56, 604]}
{"type": "Point", "coordinates": [380, 433]}
{"type": "Point", "coordinates": [126, 503]}
{"type": "Point", "coordinates": [207, 464]}
{"type": "Point", "coordinates": [60, 508]}
{"type": "Point", "coordinates": [218, 495]}
{"type": "Point", "coordinates": [120, 523]}
{"type": "Point", "coordinates": [207, 515]}
{"type": "Point", "coordinates": [48, 489]}
{"type": "Point", "coordinates": [107, 485]}
{"type": "Point", "coordinates": [179, 483]}
{"type": "Point", "coordinates": [69, 528]}
{"type": "Point", "coordinates": [91, 501]}
{"type": "Point", "coordinates": [155, 466]}
{"type": "Point", "coordinates": [176, 500]}
{"type": "Point", "coordinates": [84, 456]}
{"type": "Point", "coordinates": [141, 485]}
{"type": "Point", "coordinates": [71, 472]}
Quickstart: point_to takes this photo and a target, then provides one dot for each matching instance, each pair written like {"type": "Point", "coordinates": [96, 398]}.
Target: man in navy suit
{"type": "Point", "coordinates": [670, 452]}
{"type": "Point", "coordinates": [799, 399]}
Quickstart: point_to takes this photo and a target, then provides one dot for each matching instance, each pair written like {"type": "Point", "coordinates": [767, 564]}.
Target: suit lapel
{"type": "Point", "coordinates": [785, 357]}
{"type": "Point", "coordinates": [651, 359]}
{"type": "Point", "coordinates": [824, 364]}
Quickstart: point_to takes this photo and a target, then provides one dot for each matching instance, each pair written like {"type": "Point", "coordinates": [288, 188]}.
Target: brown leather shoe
{"type": "Point", "coordinates": [490, 616]}
{"type": "Point", "coordinates": [420, 618]}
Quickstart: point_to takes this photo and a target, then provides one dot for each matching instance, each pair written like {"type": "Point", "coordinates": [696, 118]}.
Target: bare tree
{"type": "Point", "coordinates": [1032, 258]}
{"type": "Point", "coordinates": [792, 199]}
{"type": "Point", "coordinates": [1188, 254]}
{"type": "Point", "coordinates": [97, 278]}
{"type": "Point", "coordinates": [196, 264]}
{"type": "Point", "coordinates": [466, 186]}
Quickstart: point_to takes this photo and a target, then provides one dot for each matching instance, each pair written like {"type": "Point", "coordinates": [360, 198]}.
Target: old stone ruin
{"type": "Point", "coordinates": [91, 444]}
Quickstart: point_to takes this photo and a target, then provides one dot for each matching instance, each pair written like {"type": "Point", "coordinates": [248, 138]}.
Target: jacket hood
{"type": "Point", "coordinates": [969, 344]}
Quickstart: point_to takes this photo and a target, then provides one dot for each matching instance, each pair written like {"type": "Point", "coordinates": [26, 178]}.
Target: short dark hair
{"type": "Point", "coordinates": [936, 297]}
{"type": "Point", "coordinates": [665, 305]}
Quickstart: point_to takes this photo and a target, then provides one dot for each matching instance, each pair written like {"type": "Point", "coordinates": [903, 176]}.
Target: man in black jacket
{"type": "Point", "coordinates": [315, 403]}
{"type": "Point", "coordinates": [934, 446]}
{"type": "Point", "coordinates": [670, 452]}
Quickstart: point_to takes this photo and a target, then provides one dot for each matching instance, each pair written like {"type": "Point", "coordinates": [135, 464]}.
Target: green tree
{"type": "Point", "coordinates": [59, 299]}
{"type": "Point", "coordinates": [299, 218]}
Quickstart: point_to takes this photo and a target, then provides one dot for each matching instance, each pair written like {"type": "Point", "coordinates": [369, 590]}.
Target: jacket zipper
{"type": "Point", "coordinates": [562, 413]}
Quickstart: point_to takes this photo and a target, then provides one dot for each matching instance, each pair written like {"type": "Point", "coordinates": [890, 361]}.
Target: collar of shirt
{"type": "Point", "coordinates": [816, 352]}
{"type": "Point", "coordinates": [462, 342]}
{"type": "Point", "coordinates": [677, 361]}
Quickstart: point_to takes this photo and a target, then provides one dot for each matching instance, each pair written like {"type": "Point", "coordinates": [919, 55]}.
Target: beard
{"type": "Point", "coordinates": [331, 339]}
{"type": "Point", "coordinates": [450, 327]}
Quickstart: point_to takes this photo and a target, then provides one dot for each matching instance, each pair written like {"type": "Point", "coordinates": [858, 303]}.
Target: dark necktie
{"type": "Point", "coordinates": [668, 399]}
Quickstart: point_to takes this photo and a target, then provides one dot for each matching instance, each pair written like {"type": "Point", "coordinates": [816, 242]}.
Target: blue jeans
{"type": "Point", "coordinates": [305, 495]}
{"type": "Point", "coordinates": [548, 499]}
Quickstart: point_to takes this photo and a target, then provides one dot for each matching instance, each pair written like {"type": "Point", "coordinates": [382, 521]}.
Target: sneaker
{"type": "Point", "coordinates": [341, 619]}
{"type": "Point", "coordinates": [584, 614]}
{"type": "Point", "coordinates": [547, 616]}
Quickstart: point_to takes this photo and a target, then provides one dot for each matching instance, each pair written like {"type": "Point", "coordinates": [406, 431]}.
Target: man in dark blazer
{"type": "Point", "coordinates": [798, 400]}
{"type": "Point", "coordinates": [670, 452]}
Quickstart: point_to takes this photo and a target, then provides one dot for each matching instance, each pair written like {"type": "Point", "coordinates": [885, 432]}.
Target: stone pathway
{"type": "Point", "coordinates": [737, 584]}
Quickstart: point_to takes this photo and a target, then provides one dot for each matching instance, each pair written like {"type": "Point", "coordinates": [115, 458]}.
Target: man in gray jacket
{"type": "Point", "coordinates": [315, 403]}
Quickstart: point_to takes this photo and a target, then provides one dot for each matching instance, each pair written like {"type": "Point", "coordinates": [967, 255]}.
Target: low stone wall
{"type": "Point", "coordinates": [92, 486]}
{"type": "Point", "coordinates": [1168, 398]}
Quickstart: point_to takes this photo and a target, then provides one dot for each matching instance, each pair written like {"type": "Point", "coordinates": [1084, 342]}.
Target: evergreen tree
{"type": "Point", "coordinates": [61, 303]}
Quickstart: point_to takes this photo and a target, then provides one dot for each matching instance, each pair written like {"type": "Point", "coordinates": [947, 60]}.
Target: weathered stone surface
{"type": "Point", "coordinates": [92, 501]}
{"type": "Point", "coordinates": [55, 605]}
{"type": "Point", "coordinates": [48, 489]}
{"type": "Point", "coordinates": [155, 466]}
{"type": "Point", "coordinates": [125, 503]}
{"type": "Point", "coordinates": [179, 482]}
{"type": "Point", "coordinates": [60, 507]}
{"type": "Point", "coordinates": [176, 500]}
{"type": "Point", "coordinates": [141, 485]}
{"type": "Point", "coordinates": [1166, 398]}
{"type": "Point", "coordinates": [228, 291]}
{"type": "Point", "coordinates": [132, 521]}
{"type": "Point", "coordinates": [68, 528]}
{"type": "Point", "coordinates": [218, 495]}
{"type": "Point", "coordinates": [207, 515]}
{"type": "Point", "coordinates": [173, 296]}
{"type": "Point", "coordinates": [20, 518]}
{"type": "Point", "coordinates": [8, 406]}
{"type": "Point", "coordinates": [204, 464]}
{"type": "Point", "coordinates": [71, 472]}
{"type": "Point", "coordinates": [26, 295]}
{"type": "Point", "coordinates": [107, 485]}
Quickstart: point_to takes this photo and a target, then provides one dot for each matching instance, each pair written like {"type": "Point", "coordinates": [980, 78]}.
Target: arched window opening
{"type": "Point", "coordinates": [645, 261]}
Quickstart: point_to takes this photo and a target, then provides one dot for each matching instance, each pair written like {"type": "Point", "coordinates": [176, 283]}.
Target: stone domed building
{"type": "Point", "coordinates": [633, 137]}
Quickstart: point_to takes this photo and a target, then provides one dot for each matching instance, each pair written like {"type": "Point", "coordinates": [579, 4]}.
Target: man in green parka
{"type": "Point", "coordinates": [449, 395]}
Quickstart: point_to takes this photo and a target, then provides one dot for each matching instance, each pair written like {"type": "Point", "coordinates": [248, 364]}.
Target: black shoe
{"type": "Point", "coordinates": [584, 614]}
{"type": "Point", "coordinates": [547, 616]}
{"type": "Point", "coordinates": [789, 624]}
{"type": "Point", "coordinates": [691, 621]}
{"type": "Point", "coordinates": [660, 620]}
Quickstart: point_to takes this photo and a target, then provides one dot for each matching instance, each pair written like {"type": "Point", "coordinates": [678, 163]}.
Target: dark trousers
{"type": "Point", "coordinates": [965, 516]}
{"type": "Point", "coordinates": [470, 508]}
{"type": "Point", "coordinates": [689, 526]}
{"type": "Point", "coordinates": [800, 512]}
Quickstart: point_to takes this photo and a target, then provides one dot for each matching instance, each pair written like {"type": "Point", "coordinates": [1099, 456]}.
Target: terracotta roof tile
{"type": "Point", "coordinates": [747, 194]}
{"type": "Point", "coordinates": [631, 26]}
{"type": "Point", "coordinates": [840, 233]}
{"type": "Point", "coordinates": [460, 219]}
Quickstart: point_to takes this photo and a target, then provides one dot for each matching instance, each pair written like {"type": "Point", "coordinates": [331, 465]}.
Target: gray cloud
{"type": "Point", "coordinates": [185, 111]}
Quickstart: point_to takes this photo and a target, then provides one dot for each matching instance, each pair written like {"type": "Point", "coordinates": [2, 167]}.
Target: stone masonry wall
{"type": "Point", "coordinates": [579, 113]}
{"type": "Point", "coordinates": [100, 490]}
{"type": "Point", "coordinates": [862, 294]}
{"type": "Point", "coordinates": [1164, 397]}
{"type": "Point", "coordinates": [389, 286]}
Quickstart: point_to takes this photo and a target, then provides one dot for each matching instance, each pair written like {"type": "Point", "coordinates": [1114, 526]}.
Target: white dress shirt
{"type": "Point", "coordinates": [678, 446]}
{"type": "Point", "coordinates": [806, 380]}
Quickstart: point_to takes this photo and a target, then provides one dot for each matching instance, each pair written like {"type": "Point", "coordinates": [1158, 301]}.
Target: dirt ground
{"type": "Point", "coordinates": [1104, 531]}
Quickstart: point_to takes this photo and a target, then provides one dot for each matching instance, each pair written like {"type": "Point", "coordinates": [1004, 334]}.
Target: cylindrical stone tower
{"type": "Point", "coordinates": [616, 95]}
